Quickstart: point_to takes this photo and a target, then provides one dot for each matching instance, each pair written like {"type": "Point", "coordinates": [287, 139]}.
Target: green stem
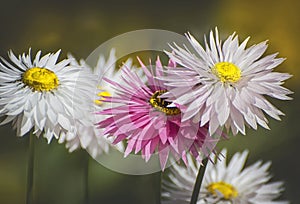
{"type": "Point", "coordinates": [30, 168]}
{"type": "Point", "coordinates": [198, 182]}
{"type": "Point", "coordinates": [86, 179]}
{"type": "Point", "coordinates": [158, 178]}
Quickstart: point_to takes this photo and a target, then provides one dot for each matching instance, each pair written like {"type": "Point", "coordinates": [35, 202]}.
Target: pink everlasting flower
{"type": "Point", "coordinates": [148, 123]}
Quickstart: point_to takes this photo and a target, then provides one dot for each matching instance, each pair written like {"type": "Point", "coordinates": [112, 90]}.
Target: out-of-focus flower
{"type": "Point", "coordinates": [90, 137]}
{"type": "Point", "coordinates": [43, 94]}
{"type": "Point", "coordinates": [225, 83]}
{"type": "Point", "coordinates": [223, 184]}
{"type": "Point", "coordinates": [147, 122]}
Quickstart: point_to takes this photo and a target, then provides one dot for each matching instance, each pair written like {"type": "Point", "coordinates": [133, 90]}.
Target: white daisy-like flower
{"type": "Point", "coordinates": [90, 137]}
{"type": "Point", "coordinates": [222, 183]}
{"type": "Point", "coordinates": [225, 83]}
{"type": "Point", "coordinates": [43, 94]}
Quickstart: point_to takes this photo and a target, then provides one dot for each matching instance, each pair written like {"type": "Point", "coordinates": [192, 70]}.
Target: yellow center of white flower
{"type": "Point", "coordinates": [227, 72]}
{"type": "Point", "coordinates": [161, 105]}
{"type": "Point", "coordinates": [40, 79]}
{"type": "Point", "coordinates": [102, 95]}
{"type": "Point", "coordinates": [227, 190]}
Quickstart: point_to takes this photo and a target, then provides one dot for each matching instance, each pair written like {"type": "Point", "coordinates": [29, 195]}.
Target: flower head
{"type": "Point", "coordinates": [147, 122]}
{"type": "Point", "coordinates": [223, 184]}
{"type": "Point", "coordinates": [225, 83]}
{"type": "Point", "coordinates": [88, 136]}
{"type": "Point", "coordinates": [43, 94]}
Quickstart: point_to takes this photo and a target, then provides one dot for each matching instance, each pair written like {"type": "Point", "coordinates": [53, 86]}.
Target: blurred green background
{"type": "Point", "coordinates": [81, 26]}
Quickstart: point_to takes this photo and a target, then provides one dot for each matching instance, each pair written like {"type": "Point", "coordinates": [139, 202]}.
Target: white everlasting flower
{"type": "Point", "coordinates": [225, 83]}
{"type": "Point", "coordinates": [43, 94]}
{"type": "Point", "coordinates": [222, 183]}
{"type": "Point", "coordinates": [90, 137]}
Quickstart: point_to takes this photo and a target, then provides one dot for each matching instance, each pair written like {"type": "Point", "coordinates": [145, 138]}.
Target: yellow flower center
{"type": "Point", "coordinates": [227, 72]}
{"type": "Point", "coordinates": [161, 105]}
{"type": "Point", "coordinates": [102, 95]}
{"type": "Point", "coordinates": [227, 190]}
{"type": "Point", "coordinates": [40, 79]}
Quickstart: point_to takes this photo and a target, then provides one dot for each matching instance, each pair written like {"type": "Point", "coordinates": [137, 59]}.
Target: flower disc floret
{"type": "Point", "coordinates": [40, 79]}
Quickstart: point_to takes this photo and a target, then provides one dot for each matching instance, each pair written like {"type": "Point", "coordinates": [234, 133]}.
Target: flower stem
{"type": "Point", "coordinates": [198, 182]}
{"type": "Point", "coordinates": [30, 168]}
{"type": "Point", "coordinates": [86, 179]}
{"type": "Point", "coordinates": [158, 186]}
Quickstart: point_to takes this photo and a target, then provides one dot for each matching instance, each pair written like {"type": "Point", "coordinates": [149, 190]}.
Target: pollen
{"type": "Point", "coordinates": [227, 190]}
{"type": "Point", "coordinates": [40, 79]}
{"type": "Point", "coordinates": [227, 72]}
{"type": "Point", "coordinates": [161, 104]}
{"type": "Point", "coordinates": [102, 96]}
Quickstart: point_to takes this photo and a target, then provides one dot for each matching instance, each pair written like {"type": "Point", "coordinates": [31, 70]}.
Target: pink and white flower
{"type": "Point", "coordinates": [148, 123]}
